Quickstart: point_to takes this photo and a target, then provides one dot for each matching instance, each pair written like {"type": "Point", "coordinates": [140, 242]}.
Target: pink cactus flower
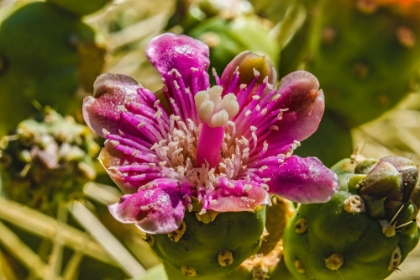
{"type": "Point", "coordinates": [224, 148]}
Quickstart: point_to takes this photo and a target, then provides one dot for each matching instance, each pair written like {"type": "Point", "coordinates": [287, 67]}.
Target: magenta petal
{"type": "Point", "coordinates": [183, 63]}
{"type": "Point", "coordinates": [235, 196]}
{"type": "Point", "coordinates": [153, 210]}
{"type": "Point", "coordinates": [127, 172]}
{"type": "Point", "coordinates": [303, 105]}
{"type": "Point", "coordinates": [169, 51]}
{"type": "Point", "coordinates": [304, 180]}
{"type": "Point", "coordinates": [103, 109]}
{"type": "Point", "coordinates": [233, 203]}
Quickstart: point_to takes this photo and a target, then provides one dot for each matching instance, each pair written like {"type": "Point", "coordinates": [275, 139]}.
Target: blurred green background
{"type": "Point", "coordinates": [366, 56]}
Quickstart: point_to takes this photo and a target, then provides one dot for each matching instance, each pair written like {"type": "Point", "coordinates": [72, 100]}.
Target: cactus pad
{"type": "Point", "coordinates": [214, 248]}
{"type": "Point", "coordinates": [346, 240]}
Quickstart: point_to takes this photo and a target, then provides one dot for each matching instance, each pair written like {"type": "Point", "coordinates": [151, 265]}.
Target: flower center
{"type": "Point", "coordinates": [214, 111]}
{"type": "Point", "coordinates": [177, 154]}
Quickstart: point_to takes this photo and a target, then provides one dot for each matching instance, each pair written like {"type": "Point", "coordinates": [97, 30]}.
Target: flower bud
{"type": "Point", "coordinates": [47, 161]}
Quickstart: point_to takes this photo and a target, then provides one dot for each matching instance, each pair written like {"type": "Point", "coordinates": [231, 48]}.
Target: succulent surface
{"type": "Point", "coordinates": [376, 50]}
{"type": "Point", "coordinates": [46, 55]}
{"type": "Point", "coordinates": [211, 248]}
{"type": "Point", "coordinates": [365, 231]}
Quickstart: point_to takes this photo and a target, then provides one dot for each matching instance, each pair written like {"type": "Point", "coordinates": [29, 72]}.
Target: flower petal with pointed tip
{"type": "Point", "coordinates": [247, 64]}
{"type": "Point", "coordinates": [101, 111]}
{"type": "Point", "coordinates": [234, 199]}
{"type": "Point", "coordinates": [113, 160]}
{"type": "Point", "coordinates": [182, 63]}
{"type": "Point", "coordinates": [237, 203]}
{"type": "Point", "coordinates": [304, 180]}
{"type": "Point", "coordinates": [154, 210]}
{"type": "Point", "coordinates": [303, 103]}
{"type": "Point", "coordinates": [169, 51]}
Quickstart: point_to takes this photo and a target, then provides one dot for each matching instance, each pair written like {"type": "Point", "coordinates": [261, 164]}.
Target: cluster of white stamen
{"type": "Point", "coordinates": [214, 110]}
{"type": "Point", "coordinates": [236, 153]}
{"type": "Point", "coordinates": [176, 156]}
{"type": "Point", "coordinates": [179, 147]}
{"type": "Point", "coordinates": [176, 151]}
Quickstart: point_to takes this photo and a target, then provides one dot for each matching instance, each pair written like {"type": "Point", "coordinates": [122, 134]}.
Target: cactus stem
{"type": "Point", "coordinates": [395, 260]}
{"type": "Point", "coordinates": [177, 234]}
{"type": "Point", "coordinates": [188, 270]}
{"type": "Point", "coordinates": [299, 266]}
{"type": "Point", "coordinates": [334, 262]}
{"type": "Point", "coordinates": [225, 257]}
{"type": "Point", "coordinates": [301, 226]}
{"type": "Point", "coordinates": [354, 204]}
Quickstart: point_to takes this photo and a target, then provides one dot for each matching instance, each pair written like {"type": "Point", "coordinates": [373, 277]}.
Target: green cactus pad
{"type": "Point", "coordinates": [343, 239]}
{"type": "Point", "coordinates": [211, 249]}
{"type": "Point", "coordinates": [173, 273]}
{"type": "Point", "coordinates": [80, 7]}
{"type": "Point", "coordinates": [46, 55]}
{"type": "Point", "coordinates": [365, 61]}
{"type": "Point", "coordinates": [331, 230]}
